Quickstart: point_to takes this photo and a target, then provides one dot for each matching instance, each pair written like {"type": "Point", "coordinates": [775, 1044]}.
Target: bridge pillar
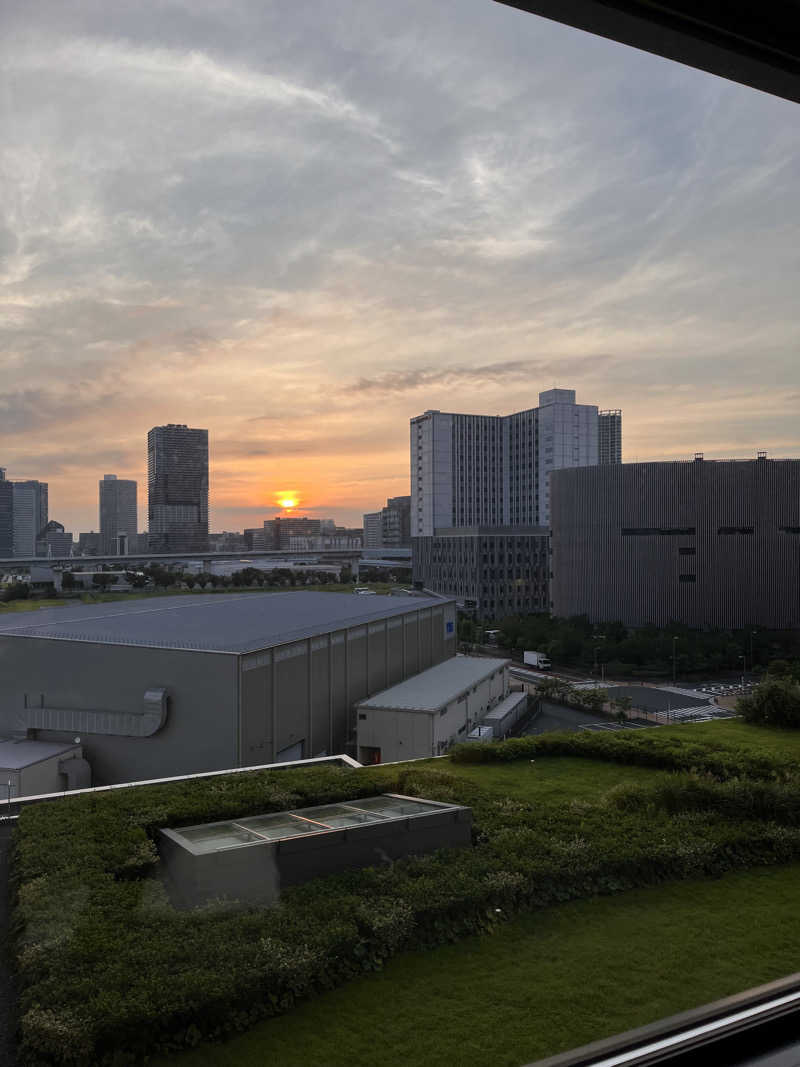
{"type": "Point", "coordinates": [207, 566]}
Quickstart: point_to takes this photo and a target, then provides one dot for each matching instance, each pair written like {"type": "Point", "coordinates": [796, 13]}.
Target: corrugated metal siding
{"type": "Point", "coordinates": [740, 578]}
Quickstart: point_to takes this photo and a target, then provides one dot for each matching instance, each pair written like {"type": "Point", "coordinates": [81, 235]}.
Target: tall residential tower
{"type": "Point", "coordinates": [118, 525]}
{"type": "Point", "coordinates": [494, 470]}
{"type": "Point", "coordinates": [177, 488]}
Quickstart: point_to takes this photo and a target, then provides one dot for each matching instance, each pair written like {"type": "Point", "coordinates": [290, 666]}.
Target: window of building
{"type": "Point", "coordinates": [687, 577]}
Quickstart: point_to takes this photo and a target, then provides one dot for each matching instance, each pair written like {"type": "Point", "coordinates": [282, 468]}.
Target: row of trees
{"type": "Point", "coordinates": [649, 651]}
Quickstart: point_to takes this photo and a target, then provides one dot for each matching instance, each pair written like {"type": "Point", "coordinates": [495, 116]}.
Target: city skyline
{"type": "Point", "coordinates": [301, 233]}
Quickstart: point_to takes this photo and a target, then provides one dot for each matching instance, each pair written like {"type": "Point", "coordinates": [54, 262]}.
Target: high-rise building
{"type": "Point", "coordinates": [709, 543]}
{"type": "Point", "coordinates": [609, 437]}
{"type": "Point", "coordinates": [396, 522]}
{"type": "Point", "coordinates": [177, 488]}
{"type": "Point", "coordinates": [6, 516]}
{"type": "Point", "coordinates": [117, 514]}
{"type": "Point", "coordinates": [494, 470]}
{"type": "Point", "coordinates": [29, 515]}
{"type": "Point", "coordinates": [373, 529]}
{"type": "Point", "coordinates": [472, 474]}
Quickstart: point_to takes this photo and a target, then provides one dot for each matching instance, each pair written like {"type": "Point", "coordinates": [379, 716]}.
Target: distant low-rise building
{"type": "Point", "coordinates": [53, 541]}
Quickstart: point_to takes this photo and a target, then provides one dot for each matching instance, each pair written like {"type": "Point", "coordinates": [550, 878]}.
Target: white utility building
{"type": "Point", "coordinates": [426, 714]}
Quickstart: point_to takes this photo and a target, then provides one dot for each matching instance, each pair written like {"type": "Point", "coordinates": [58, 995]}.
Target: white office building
{"type": "Point", "coordinates": [494, 470]}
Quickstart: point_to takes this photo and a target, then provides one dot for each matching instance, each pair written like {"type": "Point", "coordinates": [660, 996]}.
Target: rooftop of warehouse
{"type": "Point", "coordinates": [436, 686]}
{"type": "Point", "coordinates": [244, 622]}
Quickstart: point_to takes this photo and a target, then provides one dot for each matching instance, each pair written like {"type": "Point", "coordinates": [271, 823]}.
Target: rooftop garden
{"type": "Point", "coordinates": [587, 884]}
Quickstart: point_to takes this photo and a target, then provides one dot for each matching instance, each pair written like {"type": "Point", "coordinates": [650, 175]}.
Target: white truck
{"type": "Point", "coordinates": [536, 659]}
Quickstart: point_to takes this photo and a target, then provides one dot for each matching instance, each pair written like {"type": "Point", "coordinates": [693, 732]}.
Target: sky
{"type": "Point", "coordinates": [299, 225]}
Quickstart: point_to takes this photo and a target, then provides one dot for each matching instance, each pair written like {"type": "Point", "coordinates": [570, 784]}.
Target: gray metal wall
{"type": "Point", "coordinates": [306, 690]}
{"type": "Point", "coordinates": [201, 729]}
{"type": "Point", "coordinates": [708, 543]}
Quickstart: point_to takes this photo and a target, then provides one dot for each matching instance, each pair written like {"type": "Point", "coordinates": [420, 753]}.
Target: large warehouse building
{"type": "Point", "coordinates": [187, 684]}
{"type": "Point", "coordinates": [708, 543]}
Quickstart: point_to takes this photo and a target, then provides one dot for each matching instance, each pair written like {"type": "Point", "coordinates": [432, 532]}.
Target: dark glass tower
{"type": "Point", "coordinates": [177, 488]}
{"type": "Point", "coordinates": [6, 516]}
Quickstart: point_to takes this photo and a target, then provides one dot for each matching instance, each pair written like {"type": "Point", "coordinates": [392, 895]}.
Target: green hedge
{"type": "Point", "coordinates": [645, 748]}
{"type": "Point", "coordinates": [107, 964]}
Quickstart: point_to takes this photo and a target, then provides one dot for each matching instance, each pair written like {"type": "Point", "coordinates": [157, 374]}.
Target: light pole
{"type": "Point", "coordinates": [599, 637]}
{"type": "Point", "coordinates": [752, 661]}
{"type": "Point", "coordinates": [674, 660]}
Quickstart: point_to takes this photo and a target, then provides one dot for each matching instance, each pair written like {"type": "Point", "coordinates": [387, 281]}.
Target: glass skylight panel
{"type": "Point", "coordinates": [216, 836]}
{"type": "Point", "coordinates": [337, 816]}
{"type": "Point", "coordinates": [277, 827]}
{"type": "Point", "coordinates": [392, 807]}
{"type": "Point", "coordinates": [280, 826]}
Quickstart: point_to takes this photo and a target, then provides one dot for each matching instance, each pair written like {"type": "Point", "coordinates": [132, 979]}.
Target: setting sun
{"type": "Point", "coordinates": [286, 501]}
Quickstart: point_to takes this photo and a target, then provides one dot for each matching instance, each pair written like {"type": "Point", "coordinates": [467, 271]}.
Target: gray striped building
{"type": "Point", "coordinates": [708, 543]}
{"type": "Point", "coordinates": [179, 685]}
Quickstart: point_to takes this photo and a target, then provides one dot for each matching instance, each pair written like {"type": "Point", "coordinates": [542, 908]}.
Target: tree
{"type": "Point", "coordinates": [67, 580]}
{"type": "Point", "coordinates": [775, 702]}
{"type": "Point", "coordinates": [102, 581]}
{"type": "Point", "coordinates": [17, 591]}
{"type": "Point", "coordinates": [591, 699]}
{"type": "Point", "coordinates": [623, 706]}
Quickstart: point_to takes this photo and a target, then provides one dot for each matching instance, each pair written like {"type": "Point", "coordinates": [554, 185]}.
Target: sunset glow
{"type": "Point", "coordinates": [287, 502]}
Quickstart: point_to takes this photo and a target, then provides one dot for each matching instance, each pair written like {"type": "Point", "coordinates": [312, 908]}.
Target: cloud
{"type": "Point", "coordinates": [301, 225]}
{"type": "Point", "coordinates": [512, 370]}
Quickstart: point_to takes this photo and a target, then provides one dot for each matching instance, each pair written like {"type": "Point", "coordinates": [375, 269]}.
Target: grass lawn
{"type": "Point", "coordinates": [760, 740]}
{"type": "Point", "coordinates": [31, 605]}
{"type": "Point", "coordinates": [550, 780]}
{"type": "Point", "coordinates": [587, 969]}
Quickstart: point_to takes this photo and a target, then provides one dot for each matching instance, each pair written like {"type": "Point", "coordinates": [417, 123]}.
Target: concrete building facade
{"type": "Point", "coordinates": [494, 571]}
{"type": "Point", "coordinates": [485, 470]}
{"type": "Point", "coordinates": [117, 507]}
{"type": "Point", "coordinates": [373, 530]}
{"type": "Point", "coordinates": [202, 683]}
{"type": "Point", "coordinates": [54, 541]}
{"type": "Point", "coordinates": [609, 436]}
{"type": "Point", "coordinates": [177, 488]}
{"type": "Point", "coordinates": [708, 543]}
{"type": "Point", "coordinates": [279, 531]}
{"type": "Point", "coordinates": [396, 522]}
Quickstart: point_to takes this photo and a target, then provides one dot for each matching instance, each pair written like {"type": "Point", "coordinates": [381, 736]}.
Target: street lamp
{"type": "Point", "coordinates": [599, 637]}
{"type": "Point", "coordinates": [674, 660]}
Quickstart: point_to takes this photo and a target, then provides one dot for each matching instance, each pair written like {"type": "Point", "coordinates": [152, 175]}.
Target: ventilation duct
{"type": "Point", "coordinates": [143, 723]}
